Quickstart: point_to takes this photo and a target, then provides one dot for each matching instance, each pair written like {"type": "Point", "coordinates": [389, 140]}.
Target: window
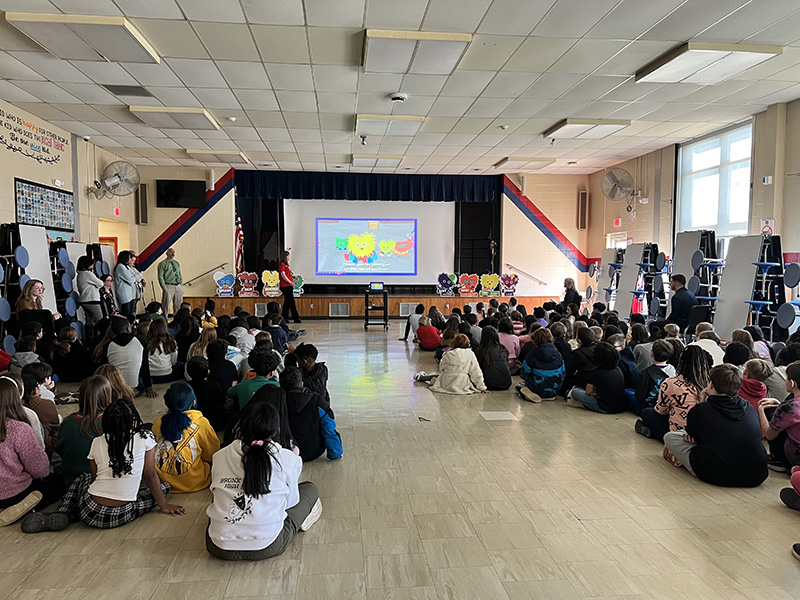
{"type": "Point", "coordinates": [714, 183]}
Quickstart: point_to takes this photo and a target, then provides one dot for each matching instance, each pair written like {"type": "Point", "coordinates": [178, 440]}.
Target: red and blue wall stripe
{"type": "Point", "coordinates": [546, 226]}
{"type": "Point", "coordinates": [183, 223]}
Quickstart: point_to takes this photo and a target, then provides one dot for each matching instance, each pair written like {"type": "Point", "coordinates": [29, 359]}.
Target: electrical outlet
{"type": "Point", "coordinates": [311, 305]}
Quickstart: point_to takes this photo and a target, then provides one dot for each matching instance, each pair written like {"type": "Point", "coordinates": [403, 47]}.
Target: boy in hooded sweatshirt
{"type": "Point", "coordinates": [315, 374]}
{"type": "Point", "coordinates": [754, 388]}
{"type": "Point", "coordinates": [312, 429]}
{"type": "Point", "coordinates": [543, 369]}
{"type": "Point", "coordinates": [25, 354]}
{"type": "Point", "coordinates": [722, 441]}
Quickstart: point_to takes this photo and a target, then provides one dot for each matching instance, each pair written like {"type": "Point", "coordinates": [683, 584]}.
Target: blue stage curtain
{"type": "Point", "coordinates": [277, 185]}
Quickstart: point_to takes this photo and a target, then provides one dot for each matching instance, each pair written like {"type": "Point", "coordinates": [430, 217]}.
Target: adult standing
{"type": "Point", "coordinates": [171, 282]}
{"type": "Point", "coordinates": [138, 289]}
{"type": "Point", "coordinates": [89, 286]}
{"type": "Point", "coordinates": [124, 282]}
{"type": "Point", "coordinates": [287, 288]}
{"type": "Point", "coordinates": [571, 295]}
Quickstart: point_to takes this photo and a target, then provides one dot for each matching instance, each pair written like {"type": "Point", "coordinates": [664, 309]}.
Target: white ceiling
{"type": "Point", "coordinates": [289, 72]}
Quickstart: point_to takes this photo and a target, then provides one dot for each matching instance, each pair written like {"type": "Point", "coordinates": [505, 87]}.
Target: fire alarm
{"type": "Point", "coordinates": [116, 211]}
{"type": "Point", "coordinates": [618, 222]}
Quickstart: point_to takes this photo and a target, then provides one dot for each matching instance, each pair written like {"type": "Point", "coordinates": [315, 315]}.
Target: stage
{"type": "Point", "coordinates": [317, 306]}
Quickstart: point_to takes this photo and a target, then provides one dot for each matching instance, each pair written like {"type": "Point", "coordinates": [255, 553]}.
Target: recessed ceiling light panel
{"type": "Point", "coordinates": [423, 52]}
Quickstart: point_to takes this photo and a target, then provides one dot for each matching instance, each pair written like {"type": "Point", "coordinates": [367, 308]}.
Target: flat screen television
{"type": "Point", "coordinates": [178, 193]}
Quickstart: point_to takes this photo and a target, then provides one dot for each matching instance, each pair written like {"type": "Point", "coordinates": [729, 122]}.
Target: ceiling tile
{"type": "Point", "coordinates": [45, 111]}
{"type": "Point", "coordinates": [90, 93]}
{"type": "Point", "coordinates": [159, 74]}
{"type": "Point", "coordinates": [422, 85]}
{"type": "Point", "coordinates": [450, 107]}
{"type": "Point", "coordinates": [175, 96]}
{"type": "Point", "coordinates": [593, 87]}
{"type": "Point", "coordinates": [586, 55]}
{"type": "Point", "coordinates": [333, 102]}
{"type": "Point", "coordinates": [274, 134]}
{"type": "Point", "coordinates": [560, 109]}
{"type": "Point", "coordinates": [247, 145]}
{"type": "Point", "coordinates": [305, 135]}
{"type": "Point", "coordinates": [488, 107]}
{"type": "Point", "coordinates": [114, 129]}
{"type": "Point", "coordinates": [691, 18]}
{"type": "Point", "coordinates": [88, 7]}
{"type": "Point", "coordinates": [105, 72]}
{"type": "Point", "coordinates": [263, 100]}
{"type": "Point", "coordinates": [381, 84]}
{"type": "Point", "coordinates": [216, 11]}
{"type": "Point", "coordinates": [383, 14]}
{"type": "Point", "coordinates": [11, 93]}
{"type": "Point", "coordinates": [708, 93]}
{"type": "Point", "coordinates": [748, 20]}
{"type": "Point", "coordinates": [76, 127]}
{"type": "Point", "coordinates": [12, 38]}
{"type": "Point", "coordinates": [416, 105]}
{"type": "Point", "coordinates": [509, 85]}
{"type": "Point", "coordinates": [46, 91]}
{"type": "Point", "coordinates": [180, 134]}
{"type": "Point", "coordinates": [145, 131]}
{"type": "Point", "coordinates": [472, 125]}
{"type": "Point", "coordinates": [455, 15]}
{"type": "Point", "coordinates": [79, 112]}
{"type": "Point", "coordinates": [323, 13]}
{"type": "Point", "coordinates": [172, 39]}
{"type": "Point", "coordinates": [150, 9]}
{"type": "Point", "coordinates": [281, 44]}
{"type": "Point", "coordinates": [278, 147]}
{"type": "Point", "coordinates": [51, 68]}
{"type": "Point", "coordinates": [11, 68]}
{"type": "Point", "coordinates": [242, 133]}
{"type": "Point", "coordinates": [466, 83]}
{"type": "Point", "coordinates": [372, 104]}
{"type": "Point", "coordinates": [290, 77]}
{"type": "Point", "coordinates": [334, 46]}
{"type": "Point", "coordinates": [301, 120]}
{"type": "Point", "coordinates": [633, 57]}
{"type": "Point", "coordinates": [197, 73]}
{"type": "Point", "coordinates": [263, 118]}
{"type": "Point", "coordinates": [783, 32]}
{"type": "Point", "coordinates": [330, 78]}
{"type": "Point", "coordinates": [438, 124]}
{"type": "Point", "coordinates": [244, 74]}
{"type": "Point", "coordinates": [630, 18]}
{"type": "Point", "coordinates": [598, 110]}
{"type": "Point", "coordinates": [274, 12]}
{"type": "Point", "coordinates": [315, 147]}
{"type": "Point", "coordinates": [332, 122]}
{"type": "Point", "coordinates": [514, 17]}
{"type": "Point", "coordinates": [525, 107]}
{"type": "Point", "coordinates": [552, 85]}
{"type": "Point", "coordinates": [783, 67]}
{"type": "Point", "coordinates": [297, 101]}
{"type": "Point", "coordinates": [537, 54]}
{"type": "Point", "coordinates": [634, 110]}
{"type": "Point", "coordinates": [216, 97]}
{"type": "Point", "coordinates": [490, 52]}
{"type": "Point", "coordinates": [227, 41]}
{"type": "Point", "coordinates": [573, 17]}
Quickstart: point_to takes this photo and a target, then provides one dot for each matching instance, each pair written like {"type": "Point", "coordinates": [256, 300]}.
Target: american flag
{"type": "Point", "coordinates": [239, 244]}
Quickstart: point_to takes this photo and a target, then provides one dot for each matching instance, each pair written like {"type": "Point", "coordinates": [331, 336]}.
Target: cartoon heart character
{"type": "Point", "coordinates": [224, 283]}
{"type": "Point", "coordinates": [386, 247]}
{"type": "Point", "coordinates": [271, 280]}
{"type": "Point", "coordinates": [341, 243]}
{"type": "Point", "coordinates": [445, 285]}
{"type": "Point", "coordinates": [468, 284]}
{"type": "Point", "coordinates": [298, 285]}
{"type": "Point", "coordinates": [402, 248]}
{"type": "Point", "coordinates": [248, 281]}
{"type": "Point", "coordinates": [361, 248]}
{"type": "Point", "coordinates": [489, 282]}
{"type": "Point", "coordinates": [508, 284]}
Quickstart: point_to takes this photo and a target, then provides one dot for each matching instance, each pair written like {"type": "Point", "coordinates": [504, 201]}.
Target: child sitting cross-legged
{"type": "Point", "coordinates": [780, 423]}
{"type": "Point", "coordinates": [264, 362]}
{"type": "Point", "coordinates": [123, 485]}
{"type": "Point", "coordinates": [428, 335]}
{"type": "Point", "coordinates": [211, 400]}
{"type": "Point", "coordinates": [543, 369]}
{"type": "Point", "coordinates": [650, 378]}
{"type": "Point", "coordinates": [259, 504]}
{"type": "Point", "coordinates": [459, 372]}
{"type": "Point", "coordinates": [493, 360]}
{"type": "Point", "coordinates": [721, 444]}
{"type": "Point", "coordinates": [313, 430]}
{"type": "Point", "coordinates": [186, 442]}
{"type": "Point", "coordinates": [71, 360]}
{"type": "Point", "coordinates": [315, 374]}
{"type": "Point", "coordinates": [605, 390]}
{"type": "Point", "coordinates": [44, 409]}
{"type": "Point", "coordinates": [754, 387]}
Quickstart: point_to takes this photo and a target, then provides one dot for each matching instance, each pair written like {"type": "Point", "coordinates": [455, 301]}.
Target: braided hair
{"type": "Point", "coordinates": [695, 365]}
{"type": "Point", "coordinates": [121, 422]}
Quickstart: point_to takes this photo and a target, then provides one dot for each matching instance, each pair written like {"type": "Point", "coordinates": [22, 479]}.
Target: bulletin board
{"type": "Point", "coordinates": [39, 204]}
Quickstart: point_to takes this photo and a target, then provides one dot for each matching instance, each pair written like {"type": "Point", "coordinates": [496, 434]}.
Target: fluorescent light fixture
{"type": "Point", "coordinates": [705, 64]}
{"type": "Point", "coordinates": [86, 37]}
{"type": "Point", "coordinates": [423, 52]}
{"type": "Point", "coordinates": [223, 156]}
{"type": "Point", "coordinates": [586, 129]}
{"type": "Point", "coordinates": [388, 125]}
{"type": "Point", "coordinates": [376, 160]}
{"type": "Point", "coordinates": [166, 117]}
{"type": "Point", "coordinates": [523, 164]}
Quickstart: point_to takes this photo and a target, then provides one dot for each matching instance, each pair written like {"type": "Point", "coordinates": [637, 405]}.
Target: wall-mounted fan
{"type": "Point", "coordinates": [120, 178]}
{"type": "Point", "coordinates": [617, 185]}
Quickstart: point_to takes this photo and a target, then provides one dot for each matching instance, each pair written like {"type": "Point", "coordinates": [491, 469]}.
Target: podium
{"type": "Point", "coordinates": [376, 306]}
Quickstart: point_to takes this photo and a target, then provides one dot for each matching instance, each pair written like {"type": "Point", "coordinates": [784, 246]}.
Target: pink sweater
{"type": "Point", "coordinates": [21, 459]}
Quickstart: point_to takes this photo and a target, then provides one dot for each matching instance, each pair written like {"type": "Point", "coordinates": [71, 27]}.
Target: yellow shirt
{"type": "Point", "coordinates": [186, 466]}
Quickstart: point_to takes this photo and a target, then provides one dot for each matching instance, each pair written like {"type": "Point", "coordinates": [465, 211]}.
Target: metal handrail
{"type": "Point", "coordinates": [204, 274]}
{"type": "Point", "coordinates": [536, 279]}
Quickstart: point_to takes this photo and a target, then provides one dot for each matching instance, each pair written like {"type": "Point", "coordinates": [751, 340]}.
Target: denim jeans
{"type": "Point", "coordinates": [587, 400]}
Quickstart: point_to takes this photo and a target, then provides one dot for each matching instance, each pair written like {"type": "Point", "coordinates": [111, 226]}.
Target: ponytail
{"type": "Point", "coordinates": [255, 428]}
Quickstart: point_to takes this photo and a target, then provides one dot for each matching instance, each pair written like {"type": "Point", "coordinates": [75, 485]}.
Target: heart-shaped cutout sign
{"type": "Point", "coordinates": [469, 281]}
{"type": "Point", "coordinates": [489, 282]}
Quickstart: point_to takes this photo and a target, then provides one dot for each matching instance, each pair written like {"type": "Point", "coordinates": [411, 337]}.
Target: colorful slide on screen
{"type": "Point", "coordinates": [366, 246]}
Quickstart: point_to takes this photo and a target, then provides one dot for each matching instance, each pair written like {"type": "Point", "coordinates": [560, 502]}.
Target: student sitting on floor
{"type": "Point", "coordinates": [412, 323]}
{"type": "Point", "coordinates": [780, 423]}
{"type": "Point", "coordinates": [279, 340]}
{"type": "Point", "coordinates": [754, 389]}
{"type": "Point", "coordinates": [429, 336]}
{"type": "Point", "coordinates": [543, 369]}
{"type": "Point", "coordinates": [128, 352]}
{"type": "Point", "coordinates": [44, 409]}
{"type": "Point", "coordinates": [464, 328]}
{"type": "Point", "coordinates": [476, 331]}
{"type": "Point", "coordinates": [448, 335]}
{"type": "Point", "coordinates": [312, 428]}
{"type": "Point", "coordinates": [559, 331]}
{"type": "Point", "coordinates": [162, 351]}
{"type": "Point", "coordinates": [650, 379]}
{"type": "Point", "coordinates": [264, 362]}
{"type": "Point", "coordinates": [736, 354]}
{"type": "Point", "coordinates": [510, 341]}
{"type": "Point", "coordinates": [211, 400]}
{"type": "Point", "coordinates": [627, 362]}
{"type": "Point", "coordinates": [125, 484]}
{"type": "Point", "coordinates": [581, 362]}
{"type": "Point", "coordinates": [77, 432]}
{"type": "Point", "coordinates": [25, 479]}
{"type": "Point", "coordinates": [605, 390]}
{"type": "Point", "coordinates": [25, 353]}
{"type": "Point", "coordinates": [221, 370]}
{"type": "Point", "coordinates": [72, 362]}
{"type": "Point", "coordinates": [119, 387]}
{"type": "Point", "coordinates": [265, 336]}
{"type": "Point", "coordinates": [776, 383]}
{"type": "Point", "coordinates": [493, 360]}
{"type": "Point", "coordinates": [315, 374]}
{"type": "Point", "coordinates": [243, 339]}
{"type": "Point", "coordinates": [43, 374]}
{"type": "Point", "coordinates": [185, 442]}
{"type": "Point", "coordinates": [258, 504]}
{"type": "Point", "coordinates": [459, 372]}
{"type": "Point", "coordinates": [721, 443]}
{"type": "Point", "coordinates": [677, 395]}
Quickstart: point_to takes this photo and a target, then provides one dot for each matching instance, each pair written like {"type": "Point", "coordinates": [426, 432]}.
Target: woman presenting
{"type": "Point", "coordinates": [571, 295]}
{"type": "Point", "coordinates": [287, 288]}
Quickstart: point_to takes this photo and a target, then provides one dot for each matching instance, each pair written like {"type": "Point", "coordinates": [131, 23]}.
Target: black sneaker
{"type": "Point", "coordinates": [44, 521]}
{"type": "Point", "coordinates": [796, 551]}
{"type": "Point", "coordinates": [790, 498]}
{"type": "Point", "coordinates": [641, 428]}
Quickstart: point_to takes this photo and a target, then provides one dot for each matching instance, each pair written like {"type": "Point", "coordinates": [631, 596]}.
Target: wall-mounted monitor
{"type": "Point", "coordinates": [177, 193]}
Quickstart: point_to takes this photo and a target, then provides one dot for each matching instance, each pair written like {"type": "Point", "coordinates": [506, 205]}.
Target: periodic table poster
{"type": "Point", "coordinates": [43, 205]}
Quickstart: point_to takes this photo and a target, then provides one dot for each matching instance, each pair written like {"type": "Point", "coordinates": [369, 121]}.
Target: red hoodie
{"type": "Point", "coordinates": [753, 391]}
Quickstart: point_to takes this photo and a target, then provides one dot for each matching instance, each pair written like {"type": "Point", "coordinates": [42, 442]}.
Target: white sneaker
{"type": "Point", "coordinates": [420, 375]}
{"type": "Point", "coordinates": [574, 403]}
{"type": "Point", "coordinates": [528, 394]}
{"type": "Point", "coordinates": [313, 516]}
{"type": "Point", "coordinates": [20, 509]}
